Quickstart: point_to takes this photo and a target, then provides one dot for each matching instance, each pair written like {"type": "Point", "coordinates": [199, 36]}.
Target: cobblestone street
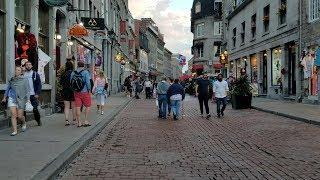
{"type": "Point", "coordinates": [245, 144]}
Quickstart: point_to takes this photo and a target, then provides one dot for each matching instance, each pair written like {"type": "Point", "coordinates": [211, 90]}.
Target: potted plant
{"type": "Point", "coordinates": [241, 95]}
{"type": "Point", "coordinates": [265, 18]}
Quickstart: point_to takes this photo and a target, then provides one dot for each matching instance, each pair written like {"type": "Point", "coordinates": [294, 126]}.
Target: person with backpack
{"type": "Point", "coordinates": [100, 91]}
{"type": "Point", "coordinates": [162, 89]}
{"type": "Point", "coordinates": [35, 89]}
{"type": "Point", "coordinates": [80, 83]}
{"type": "Point", "coordinates": [67, 92]}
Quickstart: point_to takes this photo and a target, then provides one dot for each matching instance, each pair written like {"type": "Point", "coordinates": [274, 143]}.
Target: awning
{"type": "Point", "coordinates": [217, 66]}
{"type": "Point", "coordinates": [197, 67]}
{"type": "Point", "coordinates": [186, 76]}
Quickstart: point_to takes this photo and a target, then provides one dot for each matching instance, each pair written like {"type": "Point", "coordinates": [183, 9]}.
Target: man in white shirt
{"type": "Point", "coordinates": [148, 86]}
{"type": "Point", "coordinates": [220, 92]}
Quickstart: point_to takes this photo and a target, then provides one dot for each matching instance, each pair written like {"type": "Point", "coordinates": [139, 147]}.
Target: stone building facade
{"type": "Point", "coordinates": [206, 26]}
{"type": "Point", "coordinates": [263, 38]}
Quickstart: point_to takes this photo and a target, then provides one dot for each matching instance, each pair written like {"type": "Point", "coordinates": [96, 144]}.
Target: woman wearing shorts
{"type": "Point", "coordinates": [67, 92]}
{"type": "Point", "coordinates": [17, 95]}
{"type": "Point", "coordinates": [100, 92]}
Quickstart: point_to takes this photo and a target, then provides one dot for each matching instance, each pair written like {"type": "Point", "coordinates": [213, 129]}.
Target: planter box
{"type": "Point", "coordinates": [241, 102]}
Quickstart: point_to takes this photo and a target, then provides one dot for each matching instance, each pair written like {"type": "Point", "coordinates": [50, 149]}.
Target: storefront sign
{"type": "Point", "coordinates": [78, 31]}
{"type": "Point", "coordinates": [93, 23]}
{"type": "Point", "coordinates": [58, 3]}
{"type": "Point", "coordinates": [44, 59]}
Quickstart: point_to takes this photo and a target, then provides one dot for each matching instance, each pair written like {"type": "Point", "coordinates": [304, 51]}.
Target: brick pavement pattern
{"type": "Point", "coordinates": [245, 144]}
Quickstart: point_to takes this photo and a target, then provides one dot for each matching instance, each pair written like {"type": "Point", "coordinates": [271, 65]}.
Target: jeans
{"type": "Point", "coordinates": [203, 99]}
{"type": "Point", "coordinates": [163, 105]}
{"type": "Point", "coordinates": [224, 104]}
{"type": "Point", "coordinates": [175, 106]}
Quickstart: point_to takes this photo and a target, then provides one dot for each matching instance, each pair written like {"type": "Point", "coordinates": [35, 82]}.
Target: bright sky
{"type": "Point", "coordinates": [173, 19]}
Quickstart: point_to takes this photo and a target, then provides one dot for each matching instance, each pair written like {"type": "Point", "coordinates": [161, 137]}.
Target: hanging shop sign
{"type": "Point", "coordinates": [58, 3]}
{"type": "Point", "coordinates": [78, 31]}
{"type": "Point", "coordinates": [93, 23]}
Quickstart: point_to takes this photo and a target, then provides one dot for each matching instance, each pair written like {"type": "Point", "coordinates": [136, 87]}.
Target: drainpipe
{"type": "Point", "coordinates": [298, 74]}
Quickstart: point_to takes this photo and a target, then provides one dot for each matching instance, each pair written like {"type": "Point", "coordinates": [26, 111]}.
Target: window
{"type": "Point", "coordinates": [217, 28]}
{"type": "Point", "coordinates": [314, 12]}
{"type": "Point", "coordinates": [243, 33]}
{"type": "Point", "coordinates": [266, 18]}
{"type": "Point", "coordinates": [200, 30]}
{"type": "Point", "coordinates": [94, 11]}
{"type": "Point", "coordinates": [200, 51]}
{"type": "Point", "coordinates": [234, 37]}
{"type": "Point", "coordinates": [282, 12]}
{"type": "Point", "coordinates": [90, 9]}
{"type": "Point", "coordinates": [217, 49]}
{"type": "Point", "coordinates": [218, 8]}
{"type": "Point", "coordinates": [22, 10]}
{"type": "Point", "coordinates": [198, 8]}
{"type": "Point", "coordinates": [2, 43]}
{"type": "Point", "coordinates": [44, 34]}
{"type": "Point", "coordinates": [253, 26]}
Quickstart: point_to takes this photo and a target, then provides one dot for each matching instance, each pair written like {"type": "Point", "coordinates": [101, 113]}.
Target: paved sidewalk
{"type": "Point", "coordinates": [298, 111]}
{"type": "Point", "coordinates": [38, 152]}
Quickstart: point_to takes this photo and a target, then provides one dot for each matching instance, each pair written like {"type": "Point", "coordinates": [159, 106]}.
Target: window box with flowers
{"type": "Point", "coordinates": [282, 9]}
{"type": "Point", "coordinates": [265, 18]}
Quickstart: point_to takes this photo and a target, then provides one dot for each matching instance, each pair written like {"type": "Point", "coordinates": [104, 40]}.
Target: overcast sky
{"type": "Point", "coordinates": [173, 19]}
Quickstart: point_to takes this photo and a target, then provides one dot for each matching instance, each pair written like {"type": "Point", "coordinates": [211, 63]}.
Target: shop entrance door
{"type": "Point", "coordinates": [292, 70]}
{"type": "Point", "coordinates": [265, 73]}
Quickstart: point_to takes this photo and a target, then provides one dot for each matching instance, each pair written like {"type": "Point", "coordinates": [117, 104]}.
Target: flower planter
{"type": "Point", "coordinates": [241, 102]}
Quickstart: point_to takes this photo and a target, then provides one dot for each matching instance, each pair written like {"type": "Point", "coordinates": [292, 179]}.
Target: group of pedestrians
{"type": "Point", "coordinates": [77, 87]}
{"type": "Point", "coordinates": [22, 93]}
{"type": "Point", "coordinates": [24, 88]}
{"type": "Point", "coordinates": [170, 96]}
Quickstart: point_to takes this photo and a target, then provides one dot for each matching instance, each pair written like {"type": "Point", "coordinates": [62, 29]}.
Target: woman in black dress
{"type": "Point", "coordinates": [67, 92]}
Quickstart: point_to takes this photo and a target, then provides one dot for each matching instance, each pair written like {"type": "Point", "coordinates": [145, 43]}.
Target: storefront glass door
{"type": "Point", "coordinates": [292, 70]}
{"type": "Point", "coordinates": [265, 73]}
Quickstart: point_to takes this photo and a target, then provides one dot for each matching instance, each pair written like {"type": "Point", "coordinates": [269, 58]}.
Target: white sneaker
{"type": "Point", "coordinates": [13, 133]}
{"type": "Point", "coordinates": [24, 127]}
{"type": "Point", "coordinates": [102, 112]}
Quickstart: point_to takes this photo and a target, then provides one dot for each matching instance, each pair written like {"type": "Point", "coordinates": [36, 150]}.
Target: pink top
{"type": "Point", "coordinates": [99, 82]}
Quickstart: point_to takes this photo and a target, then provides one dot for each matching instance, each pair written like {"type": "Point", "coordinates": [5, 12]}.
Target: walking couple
{"type": "Point", "coordinates": [170, 94]}
{"type": "Point", "coordinates": [219, 92]}
{"type": "Point", "coordinates": [22, 94]}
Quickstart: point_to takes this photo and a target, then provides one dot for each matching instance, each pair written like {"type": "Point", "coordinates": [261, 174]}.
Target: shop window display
{"type": "Point", "coordinates": [276, 67]}
{"type": "Point", "coordinates": [310, 72]}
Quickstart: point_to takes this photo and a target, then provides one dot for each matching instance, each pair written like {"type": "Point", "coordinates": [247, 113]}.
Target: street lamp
{"type": "Point", "coordinates": [112, 36]}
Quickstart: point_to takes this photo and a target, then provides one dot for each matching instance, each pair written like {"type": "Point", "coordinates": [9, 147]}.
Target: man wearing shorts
{"type": "Point", "coordinates": [83, 97]}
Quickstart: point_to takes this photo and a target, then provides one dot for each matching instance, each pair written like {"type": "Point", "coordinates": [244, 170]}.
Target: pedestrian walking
{"type": "Point", "coordinates": [138, 87]}
{"type": "Point", "coordinates": [148, 86]}
{"type": "Point", "coordinates": [35, 89]}
{"type": "Point", "coordinates": [171, 81]}
{"type": "Point", "coordinates": [80, 81]}
{"type": "Point", "coordinates": [128, 86]}
{"type": "Point", "coordinates": [176, 95]}
{"type": "Point", "coordinates": [162, 89]}
{"type": "Point", "coordinates": [202, 92]}
{"type": "Point", "coordinates": [16, 97]}
{"type": "Point", "coordinates": [100, 91]}
{"type": "Point", "coordinates": [220, 92]}
{"type": "Point", "coordinates": [68, 93]}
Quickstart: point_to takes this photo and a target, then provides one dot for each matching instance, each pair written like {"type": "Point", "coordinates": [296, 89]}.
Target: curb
{"type": "Point", "coordinates": [288, 116]}
{"type": "Point", "coordinates": [53, 168]}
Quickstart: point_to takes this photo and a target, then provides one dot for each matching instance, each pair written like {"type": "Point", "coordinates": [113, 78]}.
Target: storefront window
{"type": "Point", "coordinates": [2, 41]}
{"type": "Point", "coordinates": [254, 69]}
{"type": "Point", "coordinates": [276, 67]}
{"type": "Point", "coordinates": [44, 34]}
{"type": "Point", "coordinates": [22, 9]}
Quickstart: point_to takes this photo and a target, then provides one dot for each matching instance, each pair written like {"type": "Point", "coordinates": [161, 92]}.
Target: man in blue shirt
{"type": "Point", "coordinates": [83, 96]}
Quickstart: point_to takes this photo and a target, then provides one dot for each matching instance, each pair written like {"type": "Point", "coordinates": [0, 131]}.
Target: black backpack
{"type": "Point", "coordinates": [77, 81]}
{"type": "Point", "coordinates": [65, 80]}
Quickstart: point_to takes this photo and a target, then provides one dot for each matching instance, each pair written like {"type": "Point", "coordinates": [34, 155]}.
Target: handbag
{"type": "Point", "coordinates": [29, 107]}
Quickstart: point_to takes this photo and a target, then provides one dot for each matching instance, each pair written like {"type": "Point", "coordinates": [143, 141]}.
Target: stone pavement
{"type": "Point", "coordinates": [246, 144]}
{"type": "Point", "coordinates": [302, 112]}
{"type": "Point", "coordinates": [38, 152]}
